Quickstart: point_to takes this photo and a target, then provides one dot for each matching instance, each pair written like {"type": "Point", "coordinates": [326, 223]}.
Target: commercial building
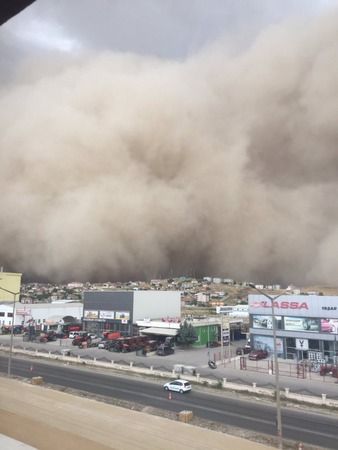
{"type": "Point", "coordinates": [120, 310]}
{"type": "Point", "coordinates": [9, 282]}
{"type": "Point", "coordinates": [6, 314]}
{"type": "Point", "coordinates": [42, 315]}
{"type": "Point", "coordinates": [306, 325]}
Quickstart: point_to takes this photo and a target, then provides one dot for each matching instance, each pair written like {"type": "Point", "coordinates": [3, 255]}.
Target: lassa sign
{"type": "Point", "coordinates": [280, 305]}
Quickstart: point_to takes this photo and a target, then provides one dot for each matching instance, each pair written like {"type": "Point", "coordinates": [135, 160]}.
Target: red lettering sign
{"type": "Point", "coordinates": [280, 305]}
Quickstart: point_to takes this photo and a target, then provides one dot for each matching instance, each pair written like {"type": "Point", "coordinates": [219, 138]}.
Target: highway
{"type": "Point", "coordinates": [259, 417]}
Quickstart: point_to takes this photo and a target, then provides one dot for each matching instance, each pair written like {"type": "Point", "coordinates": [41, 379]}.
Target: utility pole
{"type": "Point", "coordinates": [276, 368]}
{"type": "Point", "coordinates": [12, 329]}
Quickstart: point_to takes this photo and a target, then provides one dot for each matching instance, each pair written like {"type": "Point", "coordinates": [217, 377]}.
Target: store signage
{"type": "Point", "coordinates": [107, 314]}
{"type": "Point", "coordinates": [91, 315]}
{"type": "Point", "coordinates": [266, 322]}
{"type": "Point", "coordinates": [122, 315]}
{"type": "Point", "coordinates": [23, 312]}
{"type": "Point", "coordinates": [281, 305]}
{"type": "Point", "coordinates": [321, 306]}
{"type": "Point", "coordinates": [329, 326]}
{"type": "Point", "coordinates": [302, 344]}
{"type": "Point", "coordinates": [301, 324]}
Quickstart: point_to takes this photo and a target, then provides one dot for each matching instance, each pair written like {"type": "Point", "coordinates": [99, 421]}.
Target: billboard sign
{"type": "Point", "coordinates": [92, 315]}
{"type": "Point", "coordinates": [122, 315]}
{"type": "Point", "coordinates": [301, 324]}
{"type": "Point", "coordinates": [329, 326]}
{"type": "Point", "coordinates": [266, 322]}
{"type": "Point", "coordinates": [107, 314]}
{"type": "Point", "coordinates": [266, 343]}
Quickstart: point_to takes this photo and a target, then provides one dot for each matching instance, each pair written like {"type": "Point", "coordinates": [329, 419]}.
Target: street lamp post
{"type": "Point", "coordinates": [274, 333]}
{"type": "Point", "coordinates": [12, 329]}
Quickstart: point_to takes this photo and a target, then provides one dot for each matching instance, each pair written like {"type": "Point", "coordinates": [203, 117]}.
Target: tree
{"type": "Point", "coordinates": [187, 334]}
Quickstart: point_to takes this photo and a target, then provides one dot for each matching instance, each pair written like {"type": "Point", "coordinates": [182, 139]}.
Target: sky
{"type": "Point", "coordinates": [163, 138]}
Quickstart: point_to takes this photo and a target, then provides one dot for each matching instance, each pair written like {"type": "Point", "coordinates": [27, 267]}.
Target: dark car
{"type": "Point", "coordinates": [165, 350]}
{"type": "Point", "coordinates": [243, 350]}
{"type": "Point", "coordinates": [255, 355]}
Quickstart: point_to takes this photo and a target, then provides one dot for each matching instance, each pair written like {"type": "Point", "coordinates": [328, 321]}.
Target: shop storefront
{"type": "Point", "coordinates": [118, 311]}
{"type": "Point", "coordinates": [306, 325]}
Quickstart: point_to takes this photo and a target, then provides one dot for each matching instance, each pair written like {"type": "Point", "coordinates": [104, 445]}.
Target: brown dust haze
{"type": "Point", "coordinates": [118, 166]}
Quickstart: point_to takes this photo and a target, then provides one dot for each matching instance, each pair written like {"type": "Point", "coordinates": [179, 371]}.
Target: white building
{"type": "Point", "coordinates": [6, 314]}
{"type": "Point", "coordinates": [203, 297]}
{"type": "Point", "coordinates": [41, 313]}
{"type": "Point", "coordinates": [241, 311]}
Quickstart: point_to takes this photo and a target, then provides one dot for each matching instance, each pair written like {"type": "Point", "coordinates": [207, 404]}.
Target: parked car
{"type": "Point", "coordinates": [104, 344]}
{"type": "Point", "coordinates": [243, 350]}
{"type": "Point", "coordinates": [83, 337]}
{"type": "Point", "coordinates": [164, 350]}
{"type": "Point", "coordinates": [180, 386]}
{"type": "Point", "coordinates": [258, 354]}
{"type": "Point", "coordinates": [211, 344]}
{"type": "Point", "coordinates": [74, 334]}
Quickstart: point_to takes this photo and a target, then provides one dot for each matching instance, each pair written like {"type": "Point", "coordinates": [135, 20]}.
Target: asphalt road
{"type": "Point", "coordinates": [298, 425]}
{"type": "Point", "coordinates": [314, 384]}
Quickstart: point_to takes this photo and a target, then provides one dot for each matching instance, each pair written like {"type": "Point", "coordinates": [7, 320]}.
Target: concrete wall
{"type": "Point", "coordinates": [156, 304]}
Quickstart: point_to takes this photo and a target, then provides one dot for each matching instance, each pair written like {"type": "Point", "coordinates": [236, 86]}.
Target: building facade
{"type": "Point", "coordinates": [306, 326]}
{"type": "Point", "coordinates": [9, 283]}
{"type": "Point", "coordinates": [42, 315]}
{"type": "Point", "coordinates": [120, 310]}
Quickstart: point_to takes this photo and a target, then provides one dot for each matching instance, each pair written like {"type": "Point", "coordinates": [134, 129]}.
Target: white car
{"type": "Point", "coordinates": [180, 386]}
{"type": "Point", "coordinates": [73, 334]}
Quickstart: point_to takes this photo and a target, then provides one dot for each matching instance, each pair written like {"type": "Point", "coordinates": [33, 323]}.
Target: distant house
{"type": "Point", "coordinates": [203, 297]}
{"type": "Point", "coordinates": [217, 280]}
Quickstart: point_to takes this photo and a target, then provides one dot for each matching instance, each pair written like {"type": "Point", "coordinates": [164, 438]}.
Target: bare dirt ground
{"type": "Point", "coordinates": [51, 420]}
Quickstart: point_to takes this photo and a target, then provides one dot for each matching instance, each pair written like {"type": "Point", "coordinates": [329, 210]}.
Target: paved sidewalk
{"type": "Point", "coordinates": [53, 420]}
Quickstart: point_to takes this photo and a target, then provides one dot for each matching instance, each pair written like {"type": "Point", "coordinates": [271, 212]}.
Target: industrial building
{"type": "Point", "coordinates": [306, 326]}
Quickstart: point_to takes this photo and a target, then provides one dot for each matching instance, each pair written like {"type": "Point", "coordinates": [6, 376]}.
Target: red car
{"type": "Point", "coordinates": [255, 355]}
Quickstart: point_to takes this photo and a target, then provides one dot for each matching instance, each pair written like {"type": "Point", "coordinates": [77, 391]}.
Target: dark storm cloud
{"type": "Point", "coordinates": [128, 166]}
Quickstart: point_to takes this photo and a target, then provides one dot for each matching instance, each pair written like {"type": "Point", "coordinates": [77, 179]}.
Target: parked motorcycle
{"type": "Point", "coordinates": [212, 364]}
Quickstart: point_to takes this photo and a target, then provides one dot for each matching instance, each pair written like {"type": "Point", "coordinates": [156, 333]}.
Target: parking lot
{"type": "Point", "coordinates": [190, 357]}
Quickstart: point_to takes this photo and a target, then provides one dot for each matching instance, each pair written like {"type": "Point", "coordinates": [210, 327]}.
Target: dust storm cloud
{"type": "Point", "coordinates": [118, 166]}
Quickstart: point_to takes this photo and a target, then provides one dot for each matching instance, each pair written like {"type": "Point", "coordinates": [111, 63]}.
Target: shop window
{"type": "Point", "coordinates": [291, 352]}
{"type": "Point", "coordinates": [314, 344]}
{"type": "Point", "coordinates": [327, 345]}
{"type": "Point", "coordinates": [9, 314]}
